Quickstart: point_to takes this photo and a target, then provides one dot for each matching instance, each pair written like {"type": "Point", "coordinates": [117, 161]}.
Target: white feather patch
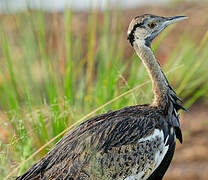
{"type": "Point", "coordinates": [159, 155]}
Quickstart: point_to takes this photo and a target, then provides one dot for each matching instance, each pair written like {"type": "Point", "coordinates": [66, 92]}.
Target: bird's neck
{"type": "Point", "coordinates": [159, 81]}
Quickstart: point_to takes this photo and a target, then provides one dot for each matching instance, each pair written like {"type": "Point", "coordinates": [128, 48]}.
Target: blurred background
{"type": "Point", "coordinates": [62, 61]}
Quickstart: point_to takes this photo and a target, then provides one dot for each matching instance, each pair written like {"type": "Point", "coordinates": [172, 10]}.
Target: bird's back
{"type": "Point", "coordinates": [130, 143]}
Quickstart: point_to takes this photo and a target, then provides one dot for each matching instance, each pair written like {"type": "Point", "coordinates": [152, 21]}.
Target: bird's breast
{"type": "Point", "coordinates": [152, 150]}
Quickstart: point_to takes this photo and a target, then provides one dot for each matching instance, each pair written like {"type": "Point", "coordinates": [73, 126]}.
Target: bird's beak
{"type": "Point", "coordinates": [174, 19]}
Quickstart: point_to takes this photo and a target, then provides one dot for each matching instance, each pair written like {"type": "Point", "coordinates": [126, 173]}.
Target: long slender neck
{"type": "Point", "coordinates": [159, 81]}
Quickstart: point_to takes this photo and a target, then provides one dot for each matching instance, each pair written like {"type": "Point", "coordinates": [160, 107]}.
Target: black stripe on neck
{"type": "Point", "coordinates": [148, 42]}
{"type": "Point", "coordinates": [131, 37]}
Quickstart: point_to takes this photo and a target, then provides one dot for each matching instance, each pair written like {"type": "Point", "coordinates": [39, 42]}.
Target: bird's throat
{"type": "Point", "coordinates": [159, 81]}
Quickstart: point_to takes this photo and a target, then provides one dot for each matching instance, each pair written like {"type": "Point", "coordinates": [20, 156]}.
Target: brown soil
{"type": "Point", "coordinates": [191, 158]}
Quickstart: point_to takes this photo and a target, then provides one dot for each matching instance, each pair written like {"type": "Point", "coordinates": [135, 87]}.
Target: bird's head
{"type": "Point", "coordinates": [146, 27]}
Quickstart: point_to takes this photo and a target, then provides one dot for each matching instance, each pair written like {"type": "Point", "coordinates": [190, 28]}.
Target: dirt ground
{"type": "Point", "coordinates": [191, 158]}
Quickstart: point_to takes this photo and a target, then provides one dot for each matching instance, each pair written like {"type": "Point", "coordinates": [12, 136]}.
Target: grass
{"type": "Point", "coordinates": [51, 78]}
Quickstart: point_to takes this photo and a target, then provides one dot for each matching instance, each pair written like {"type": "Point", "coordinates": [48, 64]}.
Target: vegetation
{"type": "Point", "coordinates": [50, 78]}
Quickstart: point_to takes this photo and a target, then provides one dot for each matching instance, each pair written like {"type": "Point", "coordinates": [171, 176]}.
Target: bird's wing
{"type": "Point", "coordinates": [116, 138]}
{"type": "Point", "coordinates": [134, 148]}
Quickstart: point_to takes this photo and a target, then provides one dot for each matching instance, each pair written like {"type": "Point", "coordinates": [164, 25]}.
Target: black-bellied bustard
{"type": "Point", "coordinates": [135, 142]}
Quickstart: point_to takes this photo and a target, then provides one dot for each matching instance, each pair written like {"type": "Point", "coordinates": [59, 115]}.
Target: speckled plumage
{"type": "Point", "coordinates": [104, 147]}
{"type": "Point", "coordinates": [136, 142]}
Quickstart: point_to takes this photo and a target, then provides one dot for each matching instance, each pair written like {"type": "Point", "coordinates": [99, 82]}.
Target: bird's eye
{"type": "Point", "coordinates": [152, 25]}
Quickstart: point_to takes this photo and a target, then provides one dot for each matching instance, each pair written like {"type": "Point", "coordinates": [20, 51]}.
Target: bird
{"type": "Point", "coordinates": [135, 142]}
